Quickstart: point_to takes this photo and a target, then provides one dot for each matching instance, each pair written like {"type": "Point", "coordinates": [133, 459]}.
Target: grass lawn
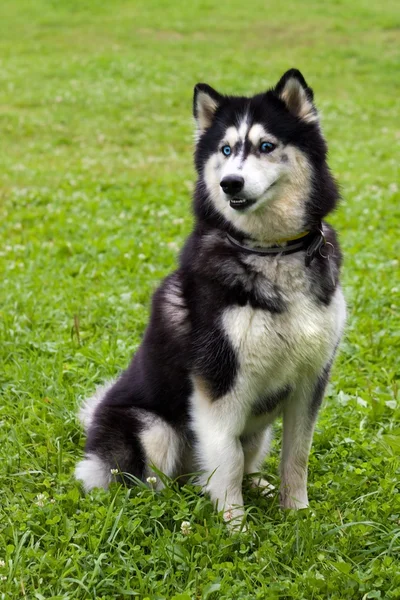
{"type": "Point", "coordinates": [95, 182]}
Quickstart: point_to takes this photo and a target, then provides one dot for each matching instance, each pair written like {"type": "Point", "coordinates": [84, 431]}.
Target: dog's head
{"type": "Point", "coordinates": [262, 160]}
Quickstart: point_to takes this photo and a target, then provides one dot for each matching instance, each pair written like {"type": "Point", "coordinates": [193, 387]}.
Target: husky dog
{"type": "Point", "coordinates": [246, 328]}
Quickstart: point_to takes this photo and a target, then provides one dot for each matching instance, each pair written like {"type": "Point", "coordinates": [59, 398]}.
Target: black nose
{"type": "Point", "coordinates": [232, 184]}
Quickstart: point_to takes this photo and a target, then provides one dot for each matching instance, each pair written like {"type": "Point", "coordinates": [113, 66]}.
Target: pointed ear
{"type": "Point", "coordinates": [206, 100]}
{"type": "Point", "coordinates": [298, 97]}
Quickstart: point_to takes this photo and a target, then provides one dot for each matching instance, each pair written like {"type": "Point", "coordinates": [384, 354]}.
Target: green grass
{"type": "Point", "coordinates": [96, 175]}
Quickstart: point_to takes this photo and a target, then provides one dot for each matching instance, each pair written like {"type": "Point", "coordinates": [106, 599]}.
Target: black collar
{"type": "Point", "coordinates": [312, 241]}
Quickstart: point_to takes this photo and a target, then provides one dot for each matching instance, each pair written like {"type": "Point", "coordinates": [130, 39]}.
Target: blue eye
{"type": "Point", "coordinates": [226, 150]}
{"type": "Point", "coordinates": [266, 147]}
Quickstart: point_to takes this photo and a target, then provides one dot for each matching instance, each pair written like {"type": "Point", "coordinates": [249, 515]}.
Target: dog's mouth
{"type": "Point", "coordinates": [241, 203]}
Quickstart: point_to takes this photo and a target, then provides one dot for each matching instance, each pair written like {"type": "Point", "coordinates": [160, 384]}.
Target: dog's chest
{"type": "Point", "coordinates": [276, 348]}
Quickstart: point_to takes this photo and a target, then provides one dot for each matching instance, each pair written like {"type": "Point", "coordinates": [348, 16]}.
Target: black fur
{"type": "Point", "coordinates": [270, 402]}
{"type": "Point", "coordinates": [113, 440]}
{"type": "Point", "coordinates": [319, 390]}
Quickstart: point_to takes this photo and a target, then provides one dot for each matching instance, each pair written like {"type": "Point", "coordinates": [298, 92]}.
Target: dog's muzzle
{"type": "Point", "coordinates": [232, 185]}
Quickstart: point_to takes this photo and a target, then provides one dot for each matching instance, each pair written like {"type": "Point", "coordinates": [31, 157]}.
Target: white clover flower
{"type": "Point", "coordinates": [2, 563]}
{"type": "Point", "coordinates": [186, 528]}
{"type": "Point", "coordinates": [40, 499]}
{"type": "Point", "coordinates": [3, 578]}
{"type": "Point", "coordinates": [114, 471]}
{"type": "Point", "coordinates": [151, 480]}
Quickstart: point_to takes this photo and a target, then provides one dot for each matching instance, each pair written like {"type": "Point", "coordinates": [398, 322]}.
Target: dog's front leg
{"type": "Point", "coordinates": [223, 463]}
{"type": "Point", "coordinates": [299, 416]}
{"type": "Point", "coordinates": [221, 458]}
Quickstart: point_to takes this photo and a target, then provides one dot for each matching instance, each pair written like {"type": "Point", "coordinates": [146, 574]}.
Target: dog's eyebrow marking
{"type": "Point", "coordinates": [231, 136]}
{"type": "Point", "coordinates": [256, 133]}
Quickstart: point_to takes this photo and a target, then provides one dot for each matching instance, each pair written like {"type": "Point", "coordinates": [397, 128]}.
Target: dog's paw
{"type": "Point", "coordinates": [263, 485]}
{"type": "Point", "coordinates": [234, 518]}
{"type": "Point", "coordinates": [293, 501]}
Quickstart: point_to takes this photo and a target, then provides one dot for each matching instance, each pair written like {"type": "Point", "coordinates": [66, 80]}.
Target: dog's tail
{"type": "Point", "coordinates": [87, 410]}
{"type": "Point", "coordinates": [113, 447]}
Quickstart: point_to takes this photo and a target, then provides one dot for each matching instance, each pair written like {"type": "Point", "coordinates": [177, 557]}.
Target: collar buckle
{"type": "Point", "coordinates": [315, 247]}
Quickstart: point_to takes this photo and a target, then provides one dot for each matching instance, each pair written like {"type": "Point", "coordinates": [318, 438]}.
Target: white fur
{"type": "Point", "coordinates": [89, 405]}
{"type": "Point", "coordinates": [161, 444]}
{"type": "Point", "coordinates": [93, 472]}
{"type": "Point", "coordinates": [231, 137]}
{"type": "Point", "coordinates": [219, 452]}
{"type": "Point", "coordinates": [296, 444]}
{"type": "Point", "coordinates": [274, 351]}
{"type": "Point", "coordinates": [258, 134]}
{"type": "Point", "coordinates": [275, 347]}
{"type": "Point", "coordinates": [243, 128]}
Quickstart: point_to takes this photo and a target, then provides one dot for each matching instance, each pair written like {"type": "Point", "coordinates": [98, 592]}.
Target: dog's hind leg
{"type": "Point", "coordinates": [123, 442]}
{"type": "Point", "coordinates": [163, 445]}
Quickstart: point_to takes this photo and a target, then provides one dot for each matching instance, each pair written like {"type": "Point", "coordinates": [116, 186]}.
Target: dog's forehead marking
{"type": "Point", "coordinates": [243, 128]}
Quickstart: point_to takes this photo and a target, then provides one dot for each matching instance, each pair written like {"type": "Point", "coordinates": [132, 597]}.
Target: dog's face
{"type": "Point", "coordinates": [257, 157]}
